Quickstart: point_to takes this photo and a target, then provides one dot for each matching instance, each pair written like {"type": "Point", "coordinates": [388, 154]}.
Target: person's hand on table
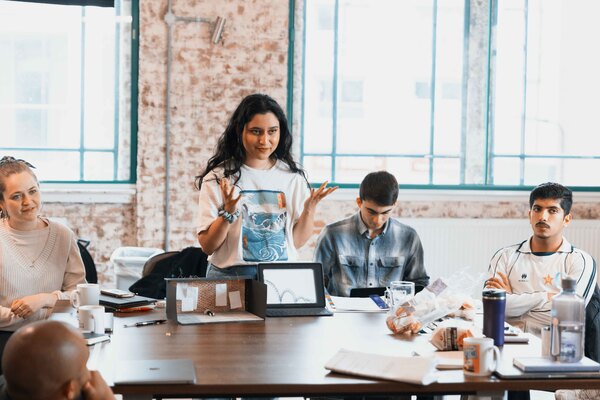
{"type": "Point", "coordinates": [499, 281]}
{"type": "Point", "coordinates": [28, 305]}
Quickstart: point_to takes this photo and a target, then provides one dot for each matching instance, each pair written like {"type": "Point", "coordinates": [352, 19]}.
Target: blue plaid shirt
{"type": "Point", "coordinates": [351, 259]}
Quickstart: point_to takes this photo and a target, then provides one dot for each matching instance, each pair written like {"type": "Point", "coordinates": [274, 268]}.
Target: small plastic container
{"type": "Point", "coordinates": [129, 263]}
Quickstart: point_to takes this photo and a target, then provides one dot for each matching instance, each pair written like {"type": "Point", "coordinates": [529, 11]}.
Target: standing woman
{"type": "Point", "coordinates": [39, 259]}
{"type": "Point", "coordinates": [255, 202]}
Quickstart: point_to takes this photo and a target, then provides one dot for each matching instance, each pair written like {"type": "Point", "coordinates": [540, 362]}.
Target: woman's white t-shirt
{"type": "Point", "coordinates": [272, 201]}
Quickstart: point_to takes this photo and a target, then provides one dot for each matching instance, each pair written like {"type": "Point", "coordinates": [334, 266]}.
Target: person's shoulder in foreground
{"type": "Point", "coordinates": [47, 360]}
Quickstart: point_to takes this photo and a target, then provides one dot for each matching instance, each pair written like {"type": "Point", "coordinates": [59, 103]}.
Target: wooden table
{"type": "Point", "coordinates": [285, 357]}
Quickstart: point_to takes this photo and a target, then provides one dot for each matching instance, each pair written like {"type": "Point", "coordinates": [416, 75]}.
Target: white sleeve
{"type": "Point", "coordinates": [74, 270]}
{"type": "Point", "coordinates": [583, 269]}
{"type": "Point", "coordinates": [210, 201]}
{"type": "Point", "coordinates": [301, 193]}
{"type": "Point", "coordinates": [7, 318]}
{"type": "Point", "coordinates": [517, 304]}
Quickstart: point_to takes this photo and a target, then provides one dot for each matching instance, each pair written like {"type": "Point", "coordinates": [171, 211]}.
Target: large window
{"type": "Point", "coordinates": [65, 90]}
{"type": "Point", "coordinates": [451, 93]}
{"type": "Point", "coordinates": [382, 89]}
{"type": "Point", "coordinates": [545, 101]}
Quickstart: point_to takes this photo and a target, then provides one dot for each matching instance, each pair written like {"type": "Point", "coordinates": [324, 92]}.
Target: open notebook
{"type": "Point", "coordinates": [293, 289]}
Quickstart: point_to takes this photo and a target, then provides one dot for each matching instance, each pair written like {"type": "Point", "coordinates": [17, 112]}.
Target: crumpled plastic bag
{"type": "Point", "coordinates": [440, 298]}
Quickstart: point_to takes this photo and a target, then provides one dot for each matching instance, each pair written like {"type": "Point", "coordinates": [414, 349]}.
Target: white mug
{"type": "Point", "coordinates": [86, 294]}
{"type": "Point", "coordinates": [481, 357]}
{"type": "Point", "coordinates": [399, 292]}
{"type": "Point", "coordinates": [91, 318]}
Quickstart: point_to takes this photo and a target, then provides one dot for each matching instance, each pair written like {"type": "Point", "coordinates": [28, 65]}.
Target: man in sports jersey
{"type": "Point", "coordinates": [531, 271]}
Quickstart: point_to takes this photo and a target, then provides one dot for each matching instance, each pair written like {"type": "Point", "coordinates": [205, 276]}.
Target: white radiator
{"type": "Point", "coordinates": [453, 244]}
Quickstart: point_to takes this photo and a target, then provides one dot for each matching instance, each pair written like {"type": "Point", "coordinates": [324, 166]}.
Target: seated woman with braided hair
{"type": "Point", "coordinates": [40, 262]}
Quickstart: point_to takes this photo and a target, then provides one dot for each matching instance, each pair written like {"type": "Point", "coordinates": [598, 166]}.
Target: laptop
{"type": "Point", "coordinates": [294, 289]}
{"type": "Point", "coordinates": [542, 368]}
{"type": "Point", "coordinates": [366, 292]}
{"type": "Point", "coordinates": [148, 372]}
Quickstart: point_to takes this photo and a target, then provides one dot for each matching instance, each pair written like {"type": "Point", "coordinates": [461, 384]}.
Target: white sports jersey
{"type": "Point", "coordinates": [533, 275]}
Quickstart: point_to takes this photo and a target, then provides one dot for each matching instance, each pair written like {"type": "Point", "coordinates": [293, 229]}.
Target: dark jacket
{"type": "Point", "coordinates": [189, 262]}
{"type": "Point", "coordinates": [592, 326]}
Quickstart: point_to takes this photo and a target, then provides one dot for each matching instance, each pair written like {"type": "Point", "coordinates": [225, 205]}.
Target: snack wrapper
{"type": "Point", "coordinates": [435, 301]}
{"type": "Point", "coordinates": [447, 338]}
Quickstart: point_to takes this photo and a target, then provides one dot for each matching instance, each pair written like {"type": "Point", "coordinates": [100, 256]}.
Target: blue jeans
{"type": "Point", "coordinates": [234, 271]}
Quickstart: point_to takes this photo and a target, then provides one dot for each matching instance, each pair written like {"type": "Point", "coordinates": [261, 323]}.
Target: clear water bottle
{"type": "Point", "coordinates": [568, 323]}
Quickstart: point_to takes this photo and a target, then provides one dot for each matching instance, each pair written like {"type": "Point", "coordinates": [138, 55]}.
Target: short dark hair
{"type": "Point", "coordinates": [380, 187]}
{"type": "Point", "coordinates": [552, 190]}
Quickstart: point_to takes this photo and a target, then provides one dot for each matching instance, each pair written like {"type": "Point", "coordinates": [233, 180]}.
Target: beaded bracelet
{"type": "Point", "coordinates": [229, 217]}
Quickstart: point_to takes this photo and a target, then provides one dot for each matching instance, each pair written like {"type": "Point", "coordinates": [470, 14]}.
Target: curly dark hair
{"type": "Point", "coordinates": [230, 153]}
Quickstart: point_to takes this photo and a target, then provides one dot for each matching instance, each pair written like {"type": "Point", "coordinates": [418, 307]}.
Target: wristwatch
{"type": "Point", "coordinates": [229, 217]}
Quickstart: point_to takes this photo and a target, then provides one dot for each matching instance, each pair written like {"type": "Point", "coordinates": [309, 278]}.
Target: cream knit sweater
{"type": "Point", "coordinates": [40, 261]}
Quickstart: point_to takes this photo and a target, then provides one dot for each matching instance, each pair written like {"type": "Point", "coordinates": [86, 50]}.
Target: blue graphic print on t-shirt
{"type": "Point", "coordinates": [264, 217]}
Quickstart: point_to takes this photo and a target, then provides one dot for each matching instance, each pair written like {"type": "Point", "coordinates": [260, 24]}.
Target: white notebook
{"type": "Point", "coordinates": [546, 364]}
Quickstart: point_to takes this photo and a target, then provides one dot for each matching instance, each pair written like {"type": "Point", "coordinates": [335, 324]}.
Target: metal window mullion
{"type": "Point", "coordinates": [334, 96]}
{"type": "Point", "coordinates": [82, 96]}
{"type": "Point", "coordinates": [490, 107]}
{"type": "Point", "coordinates": [118, 26]}
{"type": "Point", "coordinates": [524, 109]}
{"type": "Point", "coordinates": [432, 91]}
{"type": "Point", "coordinates": [464, 95]}
{"type": "Point", "coordinates": [133, 111]}
{"type": "Point", "coordinates": [303, 97]}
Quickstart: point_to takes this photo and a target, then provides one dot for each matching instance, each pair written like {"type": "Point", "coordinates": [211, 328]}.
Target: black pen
{"type": "Point", "coordinates": [146, 323]}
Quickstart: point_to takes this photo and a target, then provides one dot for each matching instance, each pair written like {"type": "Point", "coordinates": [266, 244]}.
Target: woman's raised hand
{"type": "Point", "coordinates": [316, 195]}
{"type": "Point", "coordinates": [229, 201]}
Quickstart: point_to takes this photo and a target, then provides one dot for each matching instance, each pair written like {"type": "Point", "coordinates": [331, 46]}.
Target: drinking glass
{"type": "Point", "coordinates": [399, 292]}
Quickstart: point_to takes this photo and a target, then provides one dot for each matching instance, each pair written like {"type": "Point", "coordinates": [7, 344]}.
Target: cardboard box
{"type": "Point", "coordinates": [212, 300]}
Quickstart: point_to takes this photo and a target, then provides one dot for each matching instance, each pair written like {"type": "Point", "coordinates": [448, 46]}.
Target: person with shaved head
{"type": "Point", "coordinates": [47, 360]}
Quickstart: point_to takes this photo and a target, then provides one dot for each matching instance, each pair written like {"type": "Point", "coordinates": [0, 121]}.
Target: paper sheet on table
{"type": "Point", "coordinates": [354, 304]}
{"type": "Point", "coordinates": [418, 370]}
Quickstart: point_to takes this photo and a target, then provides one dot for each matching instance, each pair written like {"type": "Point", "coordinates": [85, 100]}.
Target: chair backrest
{"type": "Point", "coordinates": [91, 276]}
{"type": "Point", "coordinates": [592, 326]}
{"type": "Point", "coordinates": [189, 262]}
{"type": "Point", "coordinates": [150, 264]}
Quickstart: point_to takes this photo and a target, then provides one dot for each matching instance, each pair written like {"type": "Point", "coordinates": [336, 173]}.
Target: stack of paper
{"type": "Point", "coordinates": [418, 370]}
{"type": "Point", "coordinates": [354, 304]}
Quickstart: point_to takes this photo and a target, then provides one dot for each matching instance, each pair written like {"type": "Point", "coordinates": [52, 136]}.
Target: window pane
{"type": "Point", "coordinates": [65, 79]}
{"type": "Point", "coordinates": [98, 166]}
{"type": "Point", "coordinates": [446, 171]}
{"type": "Point", "coordinates": [506, 171]}
{"type": "Point", "coordinates": [508, 89]}
{"type": "Point", "coordinates": [319, 167]}
{"type": "Point", "coordinates": [546, 88]}
{"type": "Point", "coordinates": [406, 170]}
{"type": "Point", "coordinates": [379, 103]}
{"type": "Point", "coordinates": [52, 165]}
{"type": "Point", "coordinates": [449, 74]}
{"type": "Point", "coordinates": [99, 78]}
{"type": "Point", "coordinates": [318, 76]}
